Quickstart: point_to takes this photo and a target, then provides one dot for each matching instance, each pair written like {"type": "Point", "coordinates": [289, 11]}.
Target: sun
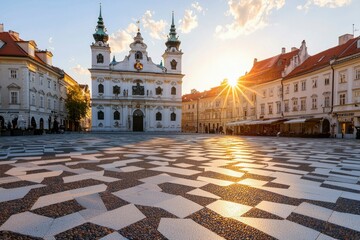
{"type": "Point", "coordinates": [232, 82]}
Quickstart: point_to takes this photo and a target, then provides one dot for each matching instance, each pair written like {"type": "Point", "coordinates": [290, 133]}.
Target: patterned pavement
{"type": "Point", "coordinates": [158, 186]}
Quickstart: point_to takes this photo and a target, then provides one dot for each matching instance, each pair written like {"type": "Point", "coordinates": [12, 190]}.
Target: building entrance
{"type": "Point", "coordinates": [138, 121]}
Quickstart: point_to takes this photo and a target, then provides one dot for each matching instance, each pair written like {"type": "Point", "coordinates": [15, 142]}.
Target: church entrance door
{"type": "Point", "coordinates": [138, 121]}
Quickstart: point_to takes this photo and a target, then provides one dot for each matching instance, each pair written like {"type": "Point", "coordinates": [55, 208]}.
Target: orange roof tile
{"type": "Point", "coordinates": [269, 69]}
{"type": "Point", "coordinates": [213, 92]}
{"type": "Point", "coordinates": [12, 49]}
{"type": "Point", "coordinates": [322, 59]}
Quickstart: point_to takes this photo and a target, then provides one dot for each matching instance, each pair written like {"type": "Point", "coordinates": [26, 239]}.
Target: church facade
{"type": "Point", "coordinates": [135, 94]}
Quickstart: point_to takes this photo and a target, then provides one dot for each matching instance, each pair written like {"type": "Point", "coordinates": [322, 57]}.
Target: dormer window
{"type": "Point", "coordinates": [1, 44]}
{"type": "Point", "coordinates": [100, 58]}
{"type": "Point", "coordinates": [173, 64]}
{"type": "Point", "coordinates": [138, 55]}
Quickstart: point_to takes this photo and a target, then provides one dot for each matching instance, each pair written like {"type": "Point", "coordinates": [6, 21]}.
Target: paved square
{"type": "Point", "coordinates": [174, 186]}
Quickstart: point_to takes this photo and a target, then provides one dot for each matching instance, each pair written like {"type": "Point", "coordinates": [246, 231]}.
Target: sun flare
{"type": "Point", "coordinates": [232, 82]}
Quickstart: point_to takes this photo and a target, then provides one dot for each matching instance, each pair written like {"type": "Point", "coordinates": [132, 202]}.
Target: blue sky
{"type": "Point", "coordinates": [220, 38]}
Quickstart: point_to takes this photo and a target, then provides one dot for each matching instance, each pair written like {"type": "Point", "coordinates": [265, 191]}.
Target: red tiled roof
{"type": "Point", "coordinates": [12, 49]}
{"type": "Point", "coordinates": [213, 92]}
{"type": "Point", "coordinates": [351, 48]}
{"type": "Point", "coordinates": [268, 69]}
{"type": "Point", "coordinates": [322, 59]}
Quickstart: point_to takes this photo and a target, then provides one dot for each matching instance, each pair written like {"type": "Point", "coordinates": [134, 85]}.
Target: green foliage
{"type": "Point", "coordinates": [76, 104]}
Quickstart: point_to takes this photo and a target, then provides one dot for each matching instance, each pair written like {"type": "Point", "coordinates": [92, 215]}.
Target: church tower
{"type": "Point", "coordinates": [172, 56]}
{"type": "Point", "coordinates": [100, 49]}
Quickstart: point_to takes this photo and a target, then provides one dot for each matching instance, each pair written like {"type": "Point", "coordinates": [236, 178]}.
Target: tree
{"type": "Point", "coordinates": [76, 105]}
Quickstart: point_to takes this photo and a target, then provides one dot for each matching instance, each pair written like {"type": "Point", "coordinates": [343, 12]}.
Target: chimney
{"type": "Point", "coordinates": [344, 38]}
{"type": "Point", "coordinates": [283, 50]}
{"type": "Point", "coordinates": [1, 27]}
{"type": "Point", "coordinates": [15, 34]}
{"type": "Point", "coordinates": [293, 49]}
{"type": "Point", "coordinates": [255, 60]}
{"type": "Point", "coordinates": [45, 56]}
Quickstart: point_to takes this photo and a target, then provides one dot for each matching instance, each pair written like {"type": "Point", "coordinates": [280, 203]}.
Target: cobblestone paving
{"type": "Point", "coordinates": [159, 186]}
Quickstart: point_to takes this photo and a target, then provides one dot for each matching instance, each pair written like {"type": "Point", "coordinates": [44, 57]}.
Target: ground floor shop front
{"type": "Point", "coordinates": [302, 127]}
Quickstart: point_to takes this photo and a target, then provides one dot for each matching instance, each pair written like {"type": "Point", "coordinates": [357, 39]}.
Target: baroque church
{"type": "Point", "coordinates": [135, 94]}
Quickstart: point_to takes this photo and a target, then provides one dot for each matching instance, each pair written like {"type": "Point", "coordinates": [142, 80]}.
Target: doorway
{"type": "Point", "coordinates": [33, 123]}
{"type": "Point", "coordinates": [41, 123]}
{"type": "Point", "coordinates": [138, 121]}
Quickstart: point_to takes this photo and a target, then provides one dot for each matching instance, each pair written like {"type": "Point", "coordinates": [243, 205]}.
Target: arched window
{"type": "Point", "coordinates": [173, 91]}
{"type": "Point", "coordinates": [116, 90]}
{"type": "Point", "coordinates": [173, 64]}
{"type": "Point", "coordinates": [158, 91]}
{"type": "Point", "coordinates": [116, 115]}
{"type": "Point", "coordinates": [138, 55]}
{"type": "Point", "coordinates": [100, 58]}
{"type": "Point", "coordinates": [173, 117]}
{"type": "Point", "coordinates": [101, 88]}
{"type": "Point", "coordinates": [100, 115]}
{"type": "Point", "coordinates": [158, 116]}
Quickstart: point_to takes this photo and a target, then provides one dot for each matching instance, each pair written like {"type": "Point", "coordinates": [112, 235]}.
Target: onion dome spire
{"type": "Point", "coordinates": [173, 40]}
{"type": "Point", "coordinates": [100, 31]}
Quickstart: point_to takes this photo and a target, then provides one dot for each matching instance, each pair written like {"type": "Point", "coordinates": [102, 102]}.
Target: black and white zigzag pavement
{"type": "Point", "coordinates": [159, 186]}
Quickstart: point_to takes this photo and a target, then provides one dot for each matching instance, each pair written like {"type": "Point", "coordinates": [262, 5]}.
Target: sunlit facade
{"type": "Point", "coordinates": [210, 111]}
{"type": "Point", "coordinates": [291, 94]}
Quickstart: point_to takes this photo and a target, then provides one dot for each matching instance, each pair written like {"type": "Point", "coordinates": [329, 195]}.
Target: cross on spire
{"type": "Point", "coordinates": [138, 25]}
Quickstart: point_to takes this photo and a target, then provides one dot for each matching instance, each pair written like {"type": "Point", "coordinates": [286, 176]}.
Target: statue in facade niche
{"type": "Point", "coordinates": [138, 90]}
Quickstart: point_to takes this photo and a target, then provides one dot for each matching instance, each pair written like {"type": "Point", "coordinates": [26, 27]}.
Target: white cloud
{"type": "Point", "coordinates": [248, 16]}
{"type": "Point", "coordinates": [50, 44]}
{"type": "Point", "coordinates": [80, 70]}
{"type": "Point", "coordinates": [156, 28]}
{"type": "Point", "coordinates": [197, 7]}
{"type": "Point", "coordinates": [324, 3]}
{"type": "Point", "coordinates": [189, 22]}
{"type": "Point", "coordinates": [120, 40]}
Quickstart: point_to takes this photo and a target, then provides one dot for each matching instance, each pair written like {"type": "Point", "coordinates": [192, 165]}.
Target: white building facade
{"type": "Point", "coordinates": [32, 90]}
{"type": "Point", "coordinates": [135, 94]}
{"type": "Point", "coordinates": [296, 94]}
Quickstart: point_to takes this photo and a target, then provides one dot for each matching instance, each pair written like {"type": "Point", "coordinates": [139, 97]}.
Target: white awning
{"type": "Point", "coordinates": [238, 123]}
{"type": "Point", "coordinates": [255, 122]}
{"type": "Point", "coordinates": [297, 120]}
{"type": "Point", "coordinates": [270, 121]}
